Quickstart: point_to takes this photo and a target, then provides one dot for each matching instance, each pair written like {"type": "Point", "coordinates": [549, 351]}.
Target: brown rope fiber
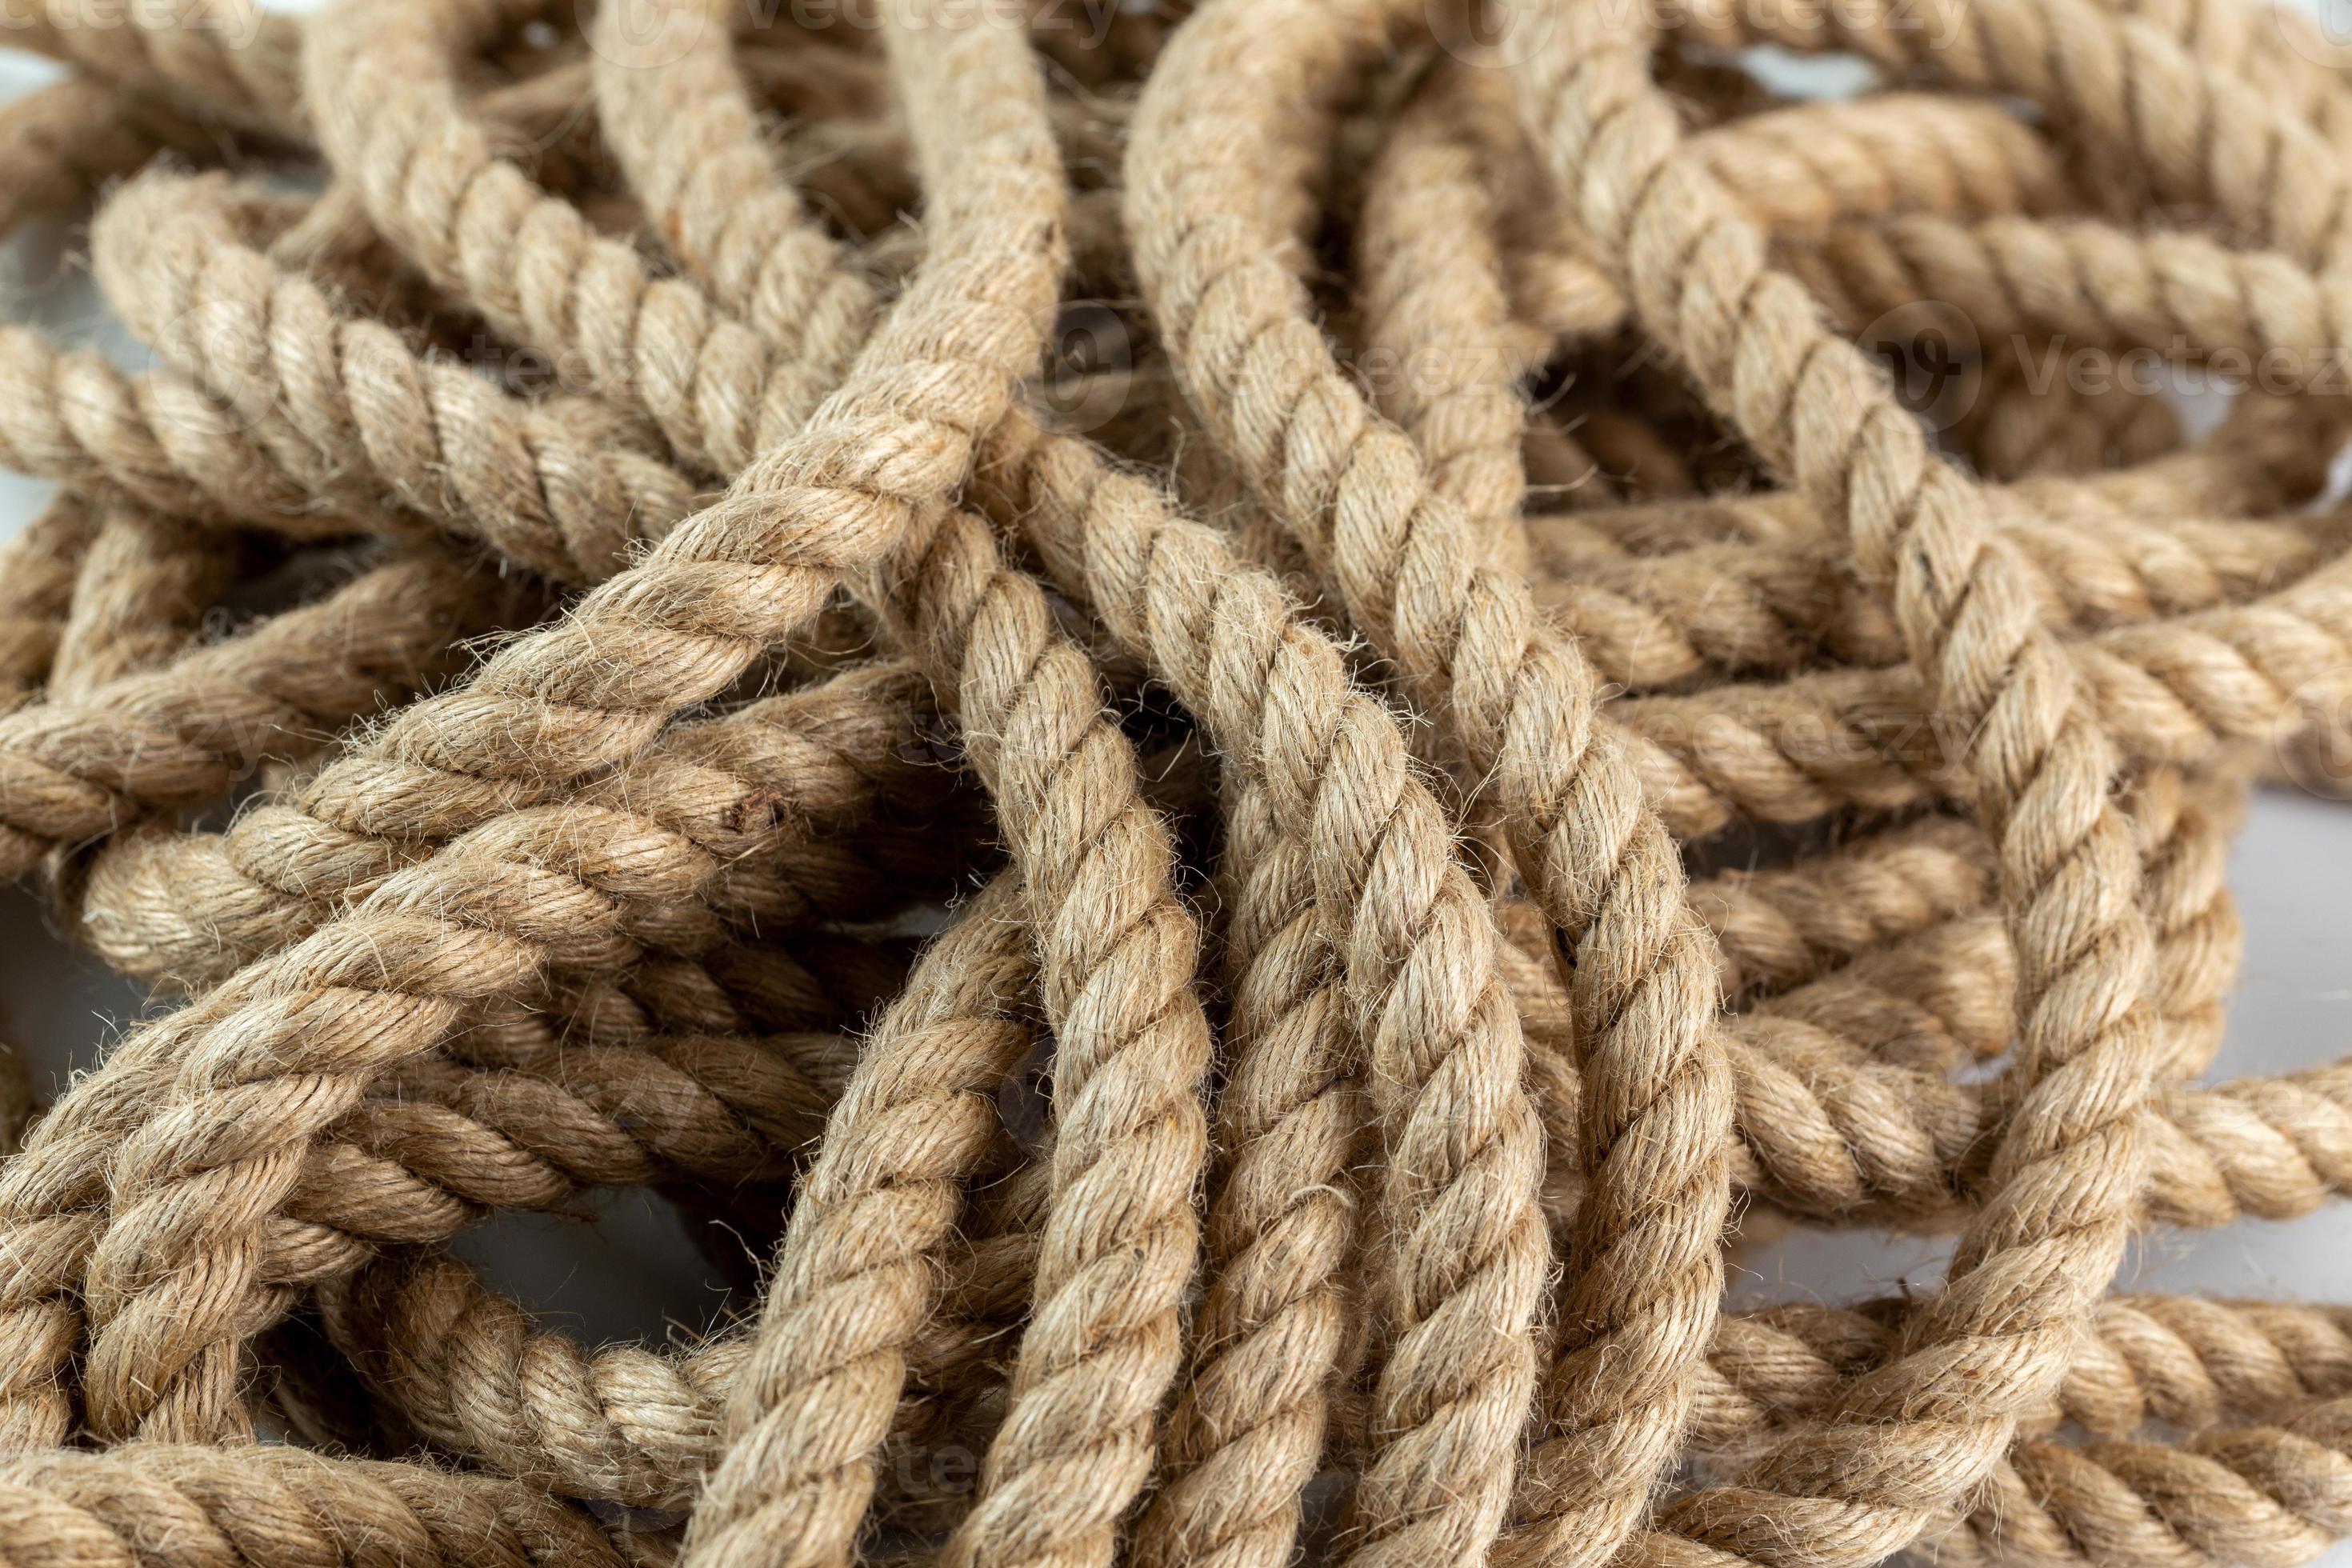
{"type": "Point", "coordinates": [1224, 731]}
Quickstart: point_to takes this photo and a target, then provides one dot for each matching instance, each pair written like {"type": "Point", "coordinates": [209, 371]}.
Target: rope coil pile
{"type": "Point", "coordinates": [1233, 727]}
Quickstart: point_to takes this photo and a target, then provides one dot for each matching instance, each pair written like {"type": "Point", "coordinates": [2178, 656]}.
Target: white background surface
{"type": "Point", "coordinates": [634, 1272]}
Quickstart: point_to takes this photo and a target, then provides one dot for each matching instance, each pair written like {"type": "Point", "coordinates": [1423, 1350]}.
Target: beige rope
{"type": "Point", "coordinates": [729, 642]}
{"type": "Point", "coordinates": [174, 1504]}
{"type": "Point", "coordinates": [1521, 701]}
{"type": "Point", "coordinates": [634, 1426]}
{"type": "Point", "coordinates": [1654, 794]}
{"type": "Point", "coordinates": [39, 569]}
{"type": "Point", "coordinates": [333, 400]}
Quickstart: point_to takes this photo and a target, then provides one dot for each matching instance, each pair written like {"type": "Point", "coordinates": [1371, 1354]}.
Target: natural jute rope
{"type": "Point", "coordinates": [1226, 732]}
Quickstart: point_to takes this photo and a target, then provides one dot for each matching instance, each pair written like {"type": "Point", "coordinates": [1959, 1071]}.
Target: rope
{"type": "Point", "coordinates": [1232, 735]}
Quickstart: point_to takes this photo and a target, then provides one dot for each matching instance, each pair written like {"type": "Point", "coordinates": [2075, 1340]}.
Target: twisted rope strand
{"type": "Point", "coordinates": [145, 584]}
{"type": "Point", "coordinates": [279, 1508]}
{"type": "Point", "coordinates": [39, 569]}
{"type": "Point", "coordinates": [764, 816]}
{"type": "Point", "coordinates": [339, 402]}
{"type": "Point", "coordinates": [72, 771]}
{"type": "Point", "coordinates": [635, 1426]}
{"type": "Point", "coordinates": [1906, 1441]}
{"type": "Point", "coordinates": [424, 165]}
{"type": "Point", "coordinates": [818, 1384]}
{"type": "Point", "coordinates": [1413, 955]}
{"type": "Point", "coordinates": [685, 130]}
{"type": "Point", "coordinates": [835, 498]}
{"type": "Point", "coordinates": [1521, 701]}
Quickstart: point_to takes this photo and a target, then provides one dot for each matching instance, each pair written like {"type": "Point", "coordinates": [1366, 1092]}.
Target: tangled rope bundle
{"type": "Point", "coordinates": [1235, 729]}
